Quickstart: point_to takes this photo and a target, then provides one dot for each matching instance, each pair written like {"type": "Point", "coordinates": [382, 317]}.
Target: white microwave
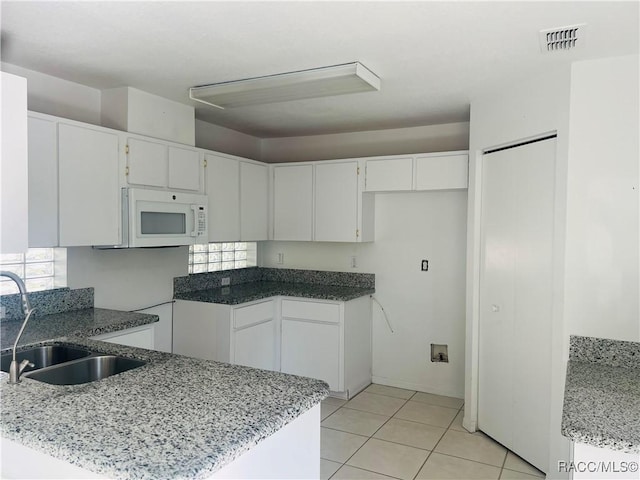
{"type": "Point", "coordinates": [156, 218]}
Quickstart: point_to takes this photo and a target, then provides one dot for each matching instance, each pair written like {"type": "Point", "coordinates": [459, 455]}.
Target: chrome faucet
{"type": "Point", "coordinates": [15, 370]}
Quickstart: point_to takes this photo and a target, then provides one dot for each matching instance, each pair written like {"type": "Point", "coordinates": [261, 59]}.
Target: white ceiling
{"type": "Point", "coordinates": [432, 57]}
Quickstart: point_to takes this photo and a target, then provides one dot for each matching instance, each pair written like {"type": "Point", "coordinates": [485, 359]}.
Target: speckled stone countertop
{"type": "Point", "coordinates": [247, 292]}
{"type": "Point", "coordinates": [175, 417]}
{"type": "Point", "coordinates": [602, 394]}
{"type": "Point", "coordinates": [256, 283]}
{"type": "Point", "coordinates": [86, 322]}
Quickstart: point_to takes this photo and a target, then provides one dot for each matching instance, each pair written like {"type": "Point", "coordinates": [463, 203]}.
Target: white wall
{"type": "Point", "coordinates": [129, 279]}
{"type": "Point", "coordinates": [225, 140]}
{"type": "Point", "coordinates": [601, 286]}
{"type": "Point", "coordinates": [531, 108]}
{"type": "Point", "coordinates": [423, 307]}
{"type": "Point", "coordinates": [55, 96]}
{"type": "Point", "coordinates": [430, 138]}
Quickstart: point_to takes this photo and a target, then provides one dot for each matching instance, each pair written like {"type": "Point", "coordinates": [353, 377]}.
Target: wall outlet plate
{"type": "Point", "coordinates": [226, 281]}
{"type": "Point", "coordinates": [424, 265]}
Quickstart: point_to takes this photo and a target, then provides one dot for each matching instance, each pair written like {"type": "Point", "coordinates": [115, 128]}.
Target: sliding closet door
{"type": "Point", "coordinates": [516, 298]}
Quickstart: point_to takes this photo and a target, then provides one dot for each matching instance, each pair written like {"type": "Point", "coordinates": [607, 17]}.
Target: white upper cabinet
{"type": "Point", "coordinates": [147, 163]}
{"type": "Point", "coordinates": [184, 169]}
{"type": "Point", "coordinates": [429, 171]}
{"type": "Point", "coordinates": [159, 164]}
{"type": "Point", "coordinates": [14, 168]}
{"type": "Point", "coordinates": [336, 201]}
{"type": "Point", "coordinates": [223, 190]}
{"type": "Point", "coordinates": [388, 174]}
{"type": "Point", "coordinates": [293, 202]}
{"type": "Point", "coordinates": [89, 193]}
{"type": "Point", "coordinates": [43, 182]}
{"type": "Point", "coordinates": [238, 198]}
{"type": "Point", "coordinates": [254, 205]}
{"type": "Point", "coordinates": [442, 171]}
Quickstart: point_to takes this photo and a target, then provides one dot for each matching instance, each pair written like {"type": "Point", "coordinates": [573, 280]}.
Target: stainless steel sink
{"type": "Point", "coordinates": [85, 370]}
{"type": "Point", "coordinates": [45, 356]}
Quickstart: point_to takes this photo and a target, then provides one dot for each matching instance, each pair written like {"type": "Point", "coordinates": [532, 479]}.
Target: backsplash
{"type": "Point", "coordinates": [205, 281]}
{"type": "Point", "coordinates": [48, 302]}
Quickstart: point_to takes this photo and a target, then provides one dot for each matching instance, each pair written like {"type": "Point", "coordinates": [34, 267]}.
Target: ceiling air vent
{"type": "Point", "coordinates": [562, 38]}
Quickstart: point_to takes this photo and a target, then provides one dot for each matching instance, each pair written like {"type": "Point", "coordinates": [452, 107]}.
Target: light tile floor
{"type": "Point", "coordinates": [386, 432]}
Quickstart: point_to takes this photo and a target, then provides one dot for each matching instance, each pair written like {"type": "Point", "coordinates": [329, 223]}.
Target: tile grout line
{"type": "Point", "coordinates": [370, 437]}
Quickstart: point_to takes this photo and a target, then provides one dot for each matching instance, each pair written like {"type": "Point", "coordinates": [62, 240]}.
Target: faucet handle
{"type": "Point", "coordinates": [24, 364]}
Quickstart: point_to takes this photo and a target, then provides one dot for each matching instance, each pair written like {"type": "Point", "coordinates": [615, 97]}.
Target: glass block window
{"type": "Point", "coordinates": [40, 268]}
{"type": "Point", "coordinates": [214, 257]}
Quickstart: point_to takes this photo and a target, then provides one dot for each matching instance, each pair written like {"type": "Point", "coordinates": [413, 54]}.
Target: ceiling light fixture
{"type": "Point", "coordinates": [317, 82]}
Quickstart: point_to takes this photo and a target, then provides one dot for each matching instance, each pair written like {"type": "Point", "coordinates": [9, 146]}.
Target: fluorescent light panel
{"type": "Point", "coordinates": [318, 82]}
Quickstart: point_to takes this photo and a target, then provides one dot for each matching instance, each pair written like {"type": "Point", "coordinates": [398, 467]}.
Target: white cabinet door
{"type": "Point", "coordinates": [254, 346]}
{"type": "Point", "coordinates": [223, 190]}
{"type": "Point", "coordinates": [312, 350]}
{"type": "Point", "coordinates": [389, 174]}
{"type": "Point", "coordinates": [336, 202]}
{"type": "Point", "coordinates": [14, 166]}
{"type": "Point", "coordinates": [254, 211]}
{"type": "Point", "coordinates": [147, 162]}
{"type": "Point", "coordinates": [139, 337]}
{"type": "Point", "coordinates": [442, 172]}
{"type": "Point", "coordinates": [43, 183]}
{"type": "Point", "coordinates": [89, 193]}
{"type": "Point", "coordinates": [184, 169]}
{"type": "Point", "coordinates": [293, 202]}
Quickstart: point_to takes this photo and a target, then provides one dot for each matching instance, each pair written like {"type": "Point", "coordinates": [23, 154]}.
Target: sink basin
{"type": "Point", "coordinates": [85, 370]}
{"type": "Point", "coordinates": [43, 357]}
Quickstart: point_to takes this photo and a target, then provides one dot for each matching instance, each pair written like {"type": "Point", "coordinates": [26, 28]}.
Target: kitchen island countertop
{"type": "Point", "coordinates": [175, 417]}
{"type": "Point", "coordinates": [602, 394]}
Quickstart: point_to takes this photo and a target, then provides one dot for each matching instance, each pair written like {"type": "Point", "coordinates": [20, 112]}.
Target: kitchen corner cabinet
{"type": "Point", "coordinates": [328, 340]}
{"type": "Point", "coordinates": [163, 165]}
{"type": "Point", "coordinates": [254, 207]}
{"type": "Point", "coordinates": [238, 193]}
{"type": "Point", "coordinates": [341, 212]}
{"type": "Point", "coordinates": [293, 202]}
{"type": "Point", "coordinates": [14, 166]}
{"type": "Point", "coordinates": [89, 193]}
{"type": "Point", "coordinates": [243, 334]}
{"type": "Point", "coordinates": [140, 337]}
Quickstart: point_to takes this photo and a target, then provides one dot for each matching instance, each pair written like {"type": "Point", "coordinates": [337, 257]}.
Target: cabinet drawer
{"type": "Point", "coordinates": [252, 314]}
{"type": "Point", "coordinates": [321, 312]}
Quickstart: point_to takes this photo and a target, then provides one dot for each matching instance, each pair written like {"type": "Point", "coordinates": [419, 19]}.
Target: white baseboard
{"type": "Point", "coordinates": [390, 382]}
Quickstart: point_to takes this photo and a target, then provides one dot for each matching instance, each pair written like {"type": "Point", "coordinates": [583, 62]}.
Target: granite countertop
{"type": "Point", "coordinates": [247, 292]}
{"type": "Point", "coordinates": [86, 322]}
{"type": "Point", "coordinates": [602, 394]}
{"type": "Point", "coordinates": [175, 417]}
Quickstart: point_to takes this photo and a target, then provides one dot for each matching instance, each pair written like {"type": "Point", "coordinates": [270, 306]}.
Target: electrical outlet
{"type": "Point", "coordinates": [226, 281]}
{"type": "Point", "coordinates": [439, 353]}
{"type": "Point", "coordinates": [354, 261]}
{"type": "Point", "coordinates": [280, 259]}
{"type": "Point", "coordinates": [3, 312]}
{"type": "Point", "coordinates": [424, 265]}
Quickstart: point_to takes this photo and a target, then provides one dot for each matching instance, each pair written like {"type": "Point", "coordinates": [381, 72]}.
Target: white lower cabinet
{"type": "Point", "coordinates": [140, 337]}
{"type": "Point", "coordinates": [327, 340]}
{"type": "Point", "coordinates": [590, 463]}
{"type": "Point", "coordinates": [242, 335]}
